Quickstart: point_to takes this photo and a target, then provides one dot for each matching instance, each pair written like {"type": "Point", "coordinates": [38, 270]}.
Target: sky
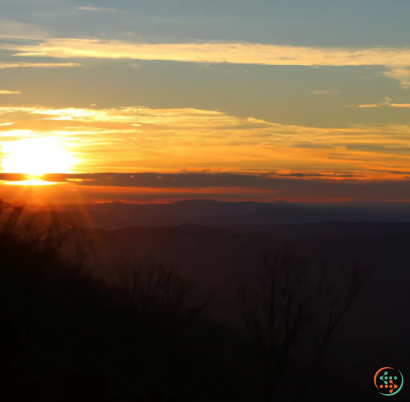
{"type": "Point", "coordinates": [263, 100]}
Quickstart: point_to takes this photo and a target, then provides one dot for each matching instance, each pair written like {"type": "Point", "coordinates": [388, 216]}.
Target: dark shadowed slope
{"type": "Point", "coordinates": [373, 334]}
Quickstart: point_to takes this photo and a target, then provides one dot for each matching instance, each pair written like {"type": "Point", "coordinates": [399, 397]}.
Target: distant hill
{"type": "Point", "coordinates": [214, 213]}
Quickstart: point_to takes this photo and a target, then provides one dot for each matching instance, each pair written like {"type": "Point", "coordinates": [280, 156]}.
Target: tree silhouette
{"type": "Point", "coordinates": [277, 305]}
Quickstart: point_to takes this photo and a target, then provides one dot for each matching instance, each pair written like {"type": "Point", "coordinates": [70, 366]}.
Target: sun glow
{"type": "Point", "coordinates": [36, 157]}
{"type": "Point", "coordinates": [31, 182]}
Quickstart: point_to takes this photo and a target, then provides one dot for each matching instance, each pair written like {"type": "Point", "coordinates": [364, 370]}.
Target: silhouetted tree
{"type": "Point", "coordinates": [154, 286]}
{"type": "Point", "coordinates": [65, 336]}
{"type": "Point", "coordinates": [276, 306]}
{"type": "Point", "coordinates": [151, 284]}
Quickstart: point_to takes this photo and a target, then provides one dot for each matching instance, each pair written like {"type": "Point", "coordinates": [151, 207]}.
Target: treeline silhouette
{"type": "Point", "coordinates": [65, 335]}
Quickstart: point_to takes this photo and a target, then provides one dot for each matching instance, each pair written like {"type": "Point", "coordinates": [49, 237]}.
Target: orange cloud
{"type": "Point", "coordinates": [387, 102]}
{"type": "Point", "coordinates": [402, 105]}
{"type": "Point", "coordinates": [136, 139]}
{"type": "Point", "coordinates": [7, 92]}
{"type": "Point", "coordinates": [37, 65]}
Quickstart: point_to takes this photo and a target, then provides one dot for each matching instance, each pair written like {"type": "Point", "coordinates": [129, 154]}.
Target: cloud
{"type": "Point", "coordinates": [368, 106]}
{"type": "Point", "coordinates": [7, 92]}
{"type": "Point", "coordinates": [400, 74]}
{"type": "Point", "coordinates": [242, 53]}
{"type": "Point", "coordinates": [153, 186]}
{"type": "Point", "coordinates": [184, 180]}
{"type": "Point", "coordinates": [15, 29]}
{"type": "Point", "coordinates": [95, 9]}
{"type": "Point", "coordinates": [385, 148]}
{"type": "Point", "coordinates": [316, 175]}
{"type": "Point", "coordinates": [400, 105]}
{"type": "Point", "coordinates": [38, 65]}
{"type": "Point", "coordinates": [169, 140]}
{"type": "Point", "coordinates": [387, 102]}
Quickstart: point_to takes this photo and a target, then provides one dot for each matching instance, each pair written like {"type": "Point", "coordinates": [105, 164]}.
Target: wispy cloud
{"type": "Point", "coordinates": [400, 105]}
{"type": "Point", "coordinates": [152, 186]}
{"type": "Point", "coordinates": [15, 29]}
{"type": "Point", "coordinates": [142, 139]}
{"type": "Point", "coordinates": [38, 65]}
{"type": "Point", "coordinates": [242, 53]}
{"type": "Point", "coordinates": [400, 74]}
{"type": "Point", "coordinates": [387, 102]}
{"type": "Point", "coordinates": [84, 8]}
{"type": "Point", "coordinates": [7, 92]}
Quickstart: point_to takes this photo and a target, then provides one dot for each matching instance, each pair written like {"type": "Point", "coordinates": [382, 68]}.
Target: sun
{"type": "Point", "coordinates": [36, 157]}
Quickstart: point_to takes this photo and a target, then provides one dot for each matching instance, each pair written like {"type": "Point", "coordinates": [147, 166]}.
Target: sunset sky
{"type": "Point", "coordinates": [265, 100]}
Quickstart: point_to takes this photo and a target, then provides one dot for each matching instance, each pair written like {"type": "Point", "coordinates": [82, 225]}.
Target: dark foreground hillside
{"type": "Point", "coordinates": [192, 313]}
{"type": "Point", "coordinates": [66, 337]}
{"type": "Point", "coordinates": [374, 332]}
